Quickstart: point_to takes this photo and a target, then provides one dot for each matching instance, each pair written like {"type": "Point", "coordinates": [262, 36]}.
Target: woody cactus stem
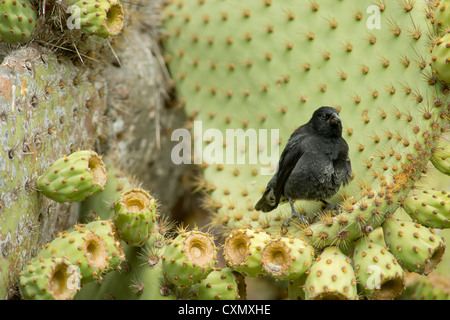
{"type": "Point", "coordinates": [46, 110]}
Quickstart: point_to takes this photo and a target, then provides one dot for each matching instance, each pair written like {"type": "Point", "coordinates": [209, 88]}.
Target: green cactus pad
{"type": "Point", "coordinates": [221, 284]}
{"type": "Point", "coordinates": [331, 277]}
{"type": "Point", "coordinates": [441, 17]}
{"type": "Point", "coordinates": [441, 158]}
{"type": "Point", "coordinates": [49, 279]}
{"type": "Point", "coordinates": [243, 249]}
{"type": "Point", "coordinates": [103, 18]}
{"type": "Point", "coordinates": [135, 215]}
{"type": "Point", "coordinates": [74, 177]}
{"type": "Point", "coordinates": [430, 208]}
{"type": "Point", "coordinates": [189, 258]}
{"type": "Point", "coordinates": [268, 65]}
{"type": "Point", "coordinates": [418, 248]}
{"type": "Point", "coordinates": [441, 59]}
{"type": "Point", "coordinates": [286, 258]}
{"type": "Point", "coordinates": [379, 272]}
{"type": "Point", "coordinates": [17, 21]}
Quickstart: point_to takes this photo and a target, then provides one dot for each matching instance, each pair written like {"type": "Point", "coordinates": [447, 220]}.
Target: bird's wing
{"type": "Point", "coordinates": [289, 158]}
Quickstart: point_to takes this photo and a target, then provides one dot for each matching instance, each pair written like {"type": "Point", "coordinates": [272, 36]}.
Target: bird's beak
{"type": "Point", "coordinates": [335, 119]}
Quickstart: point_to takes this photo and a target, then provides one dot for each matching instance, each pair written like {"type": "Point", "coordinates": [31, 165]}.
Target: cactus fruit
{"type": "Point", "coordinates": [418, 248]}
{"type": "Point", "coordinates": [103, 18]}
{"type": "Point", "coordinates": [221, 284]}
{"type": "Point", "coordinates": [441, 59]}
{"type": "Point", "coordinates": [441, 158]}
{"type": "Point", "coordinates": [135, 215]}
{"type": "Point", "coordinates": [49, 279]}
{"type": "Point", "coordinates": [17, 21]}
{"type": "Point", "coordinates": [106, 230]}
{"type": "Point", "coordinates": [91, 247]}
{"type": "Point", "coordinates": [286, 258]}
{"type": "Point", "coordinates": [73, 178]}
{"type": "Point", "coordinates": [331, 277]}
{"type": "Point", "coordinates": [243, 250]}
{"type": "Point", "coordinates": [431, 208]}
{"type": "Point", "coordinates": [189, 258]}
{"type": "Point", "coordinates": [379, 272]}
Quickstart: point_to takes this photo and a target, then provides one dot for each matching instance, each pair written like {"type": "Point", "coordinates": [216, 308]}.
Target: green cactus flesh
{"type": "Point", "coordinates": [431, 208]}
{"type": "Point", "coordinates": [17, 21]}
{"type": "Point", "coordinates": [49, 279]}
{"type": "Point", "coordinates": [441, 58]}
{"type": "Point", "coordinates": [441, 158]}
{"type": "Point", "coordinates": [103, 18]}
{"type": "Point", "coordinates": [286, 258]}
{"type": "Point", "coordinates": [84, 248]}
{"type": "Point", "coordinates": [189, 258]}
{"type": "Point", "coordinates": [73, 178]}
{"type": "Point", "coordinates": [441, 17]}
{"type": "Point", "coordinates": [243, 250]}
{"type": "Point", "coordinates": [221, 284]}
{"type": "Point", "coordinates": [102, 204]}
{"type": "Point", "coordinates": [418, 248]}
{"type": "Point", "coordinates": [139, 278]}
{"type": "Point", "coordinates": [135, 214]}
{"type": "Point", "coordinates": [331, 277]}
{"type": "Point", "coordinates": [269, 65]}
{"type": "Point", "coordinates": [379, 272]}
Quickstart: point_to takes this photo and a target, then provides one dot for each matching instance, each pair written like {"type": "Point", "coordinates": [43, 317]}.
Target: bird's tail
{"type": "Point", "coordinates": [267, 202]}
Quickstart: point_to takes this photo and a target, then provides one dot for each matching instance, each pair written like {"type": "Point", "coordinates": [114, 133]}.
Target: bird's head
{"type": "Point", "coordinates": [326, 122]}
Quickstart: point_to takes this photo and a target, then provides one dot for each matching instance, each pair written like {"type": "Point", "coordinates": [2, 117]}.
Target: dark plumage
{"type": "Point", "coordinates": [313, 165]}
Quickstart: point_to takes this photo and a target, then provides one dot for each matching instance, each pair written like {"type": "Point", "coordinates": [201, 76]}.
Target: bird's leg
{"type": "Point", "coordinates": [330, 207]}
{"type": "Point", "coordinates": [303, 220]}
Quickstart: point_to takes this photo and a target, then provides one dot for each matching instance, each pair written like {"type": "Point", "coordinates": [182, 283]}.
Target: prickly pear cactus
{"type": "Point", "coordinates": [18, 21]}
{"type": "Point", "coordinates": [242, 69]}
{"type": "Point", "coordinates": [65, 86]}
{"type": "Point", "coordinates": [38, 99]}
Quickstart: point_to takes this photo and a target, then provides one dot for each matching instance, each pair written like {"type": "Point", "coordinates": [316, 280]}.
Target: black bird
{"type": "Point", "coordinates": [313, 165]}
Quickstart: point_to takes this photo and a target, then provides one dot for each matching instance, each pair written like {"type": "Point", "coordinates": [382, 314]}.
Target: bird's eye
{"type": "Point", "coordinates": [323, 116]}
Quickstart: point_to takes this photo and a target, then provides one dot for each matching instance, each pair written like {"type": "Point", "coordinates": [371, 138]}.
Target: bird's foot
{"type": "Point", "coordinates": [302, 220]}
{"type": "Point", "coordinates": [334, 208]}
